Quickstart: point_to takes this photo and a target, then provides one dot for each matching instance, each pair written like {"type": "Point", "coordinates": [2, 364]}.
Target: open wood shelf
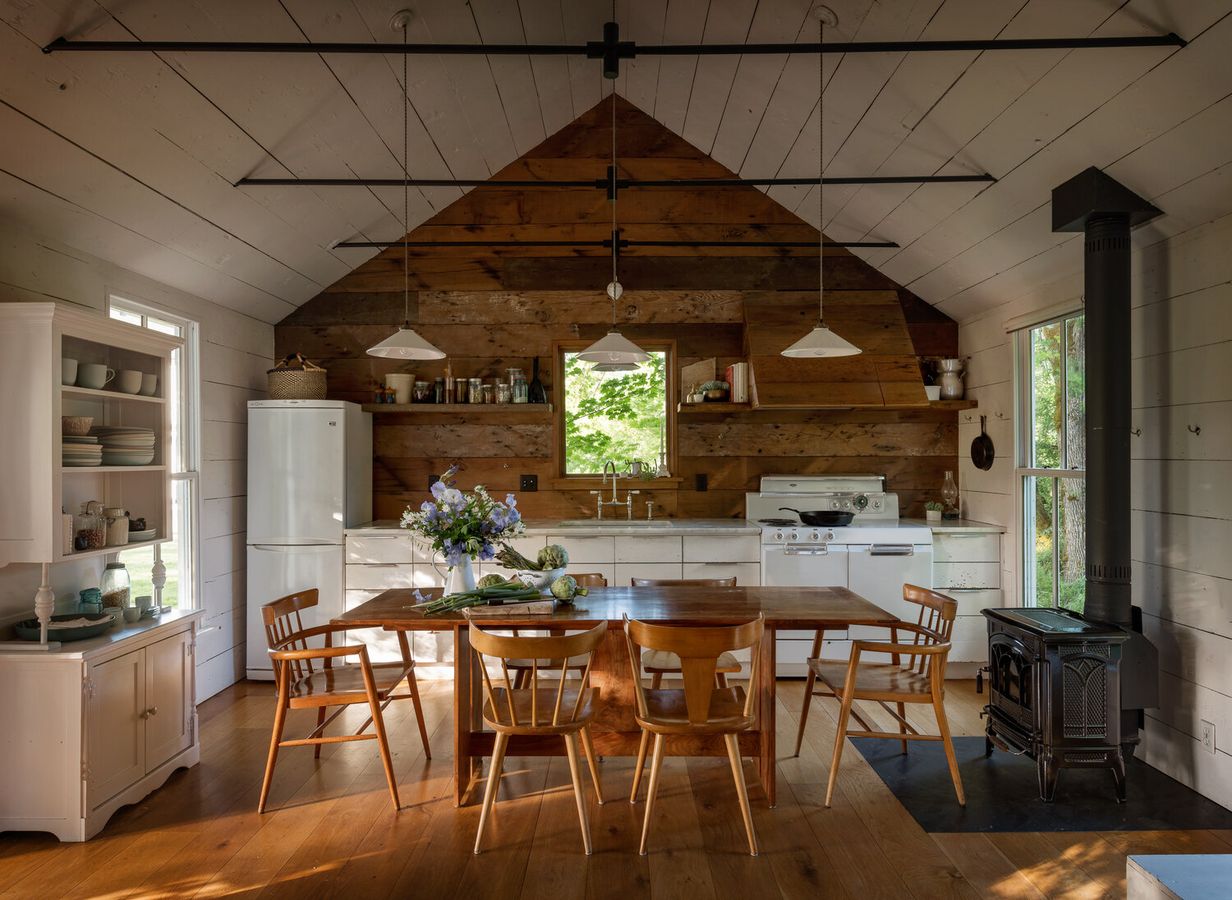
{"type": "Point", "coordinates": [531, 410]}
{"type": "Point", "coordinates": [701, 409]}
{"type": "Point", "coordinates": [92, 394]}
{"type": "Point", "coordinates": [698, 408]}
{"type": "Point", "coordinates": [109, 469]}
{"type": "Point", "coordinates": [105, 551]}
{"type": "Point", "coordinates": [952, 404]}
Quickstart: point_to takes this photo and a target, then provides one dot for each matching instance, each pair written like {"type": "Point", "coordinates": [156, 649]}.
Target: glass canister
{"type": "Point", "coordinates": [520, 391]}
{"type": "Point", "coordinates": [504, 393]}
{"type": "Point", "coordinates": [117, 526]}
{"type": "Point", "coordinates": [116, 587]}
{"type": "Point", "coordinates": [90, 601]}
{"type": "Point", "coordinates": [90, 528]}
{"type": "Point", "coordinates": [475, 390]}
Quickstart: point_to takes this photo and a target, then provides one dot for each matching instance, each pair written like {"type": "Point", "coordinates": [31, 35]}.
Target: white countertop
{"type": "Point", "coordinates": [955, 525]}
{"type": "Point", "coordinates": [616, 527]}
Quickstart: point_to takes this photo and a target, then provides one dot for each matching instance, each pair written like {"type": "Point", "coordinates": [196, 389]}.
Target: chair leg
{"type": "Point", "coordinates": [902, 724]}
{"type": "Point", "coordinates": [804, 710]}
{"type": "Point", "coordinates": [943, 726]}
{"type": "Point", "coordinates": [589, 746]}
{"type": "Point", "coordinates": [742, 791]}
{"type": "Point", "coordinates": [720, 680]}
{"type": "Point", "coordinates": [575, 770]}
{"type": "Point", "coordinates": [316, 751]}
{"type": "Point", "coordinates": [641, 764]}
{"type": "Point", "coordinates": [413, 684]}
{"type": "Point", "coordinates": [656, 764]}
{"type": "Point", "coordinates": [382, 739]}
{"type": "Point", "coordinates": [840, 738]}
{"type": "Point", "coordinates": [280, 719]}
{"type": "Point", "coordinates": [494, 775]}
{"type": "Point", "coordinates": [656, 680]}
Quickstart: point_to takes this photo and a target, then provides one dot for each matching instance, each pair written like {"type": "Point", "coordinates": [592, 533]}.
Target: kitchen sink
{"type": "Point", "coordinates": [616, 523]}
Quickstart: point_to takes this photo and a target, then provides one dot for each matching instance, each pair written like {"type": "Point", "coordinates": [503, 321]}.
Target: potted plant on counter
{"type": "Point", "coordinates": [463, 527]}
{"type": "Point", "coordinates": [933, 509]}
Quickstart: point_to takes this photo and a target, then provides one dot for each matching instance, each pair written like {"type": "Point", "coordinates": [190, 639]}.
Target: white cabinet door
{"type": "Point", "coordinates": [722, 548]}
{"type": "Point", "coordinates": [966, 547]}
{"type": "Point", "coordinates": [115, 738]}
{"type": "Point", "coordinates": [168, 703]}
{"type": "Point", "coordinates": [586, 548]}
{"type": "Point", "coordinates": [627, 572]}
{"type": "Point", "coordinates": [966, 575]}
{"type": "Point", "coordinates": [746, 574]}
{"type": "Point", "coordinates": [394, 547]}
{"type": "Point", "coordinates": [648, 550]}
{"type": "Point", "coordinates": [380, 576]}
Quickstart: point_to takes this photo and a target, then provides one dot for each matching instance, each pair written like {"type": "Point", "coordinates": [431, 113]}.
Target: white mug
{"type": "Point", "coordinates": [128, 381]}
{"type": "Point", "coordinates": [149, 385]}
{"type": "Point", "coordinates": [68, 370]}
{"type": "Point", "coordinates": [401, 383]}
{"type": "Point", "coordinates": [94, 375]}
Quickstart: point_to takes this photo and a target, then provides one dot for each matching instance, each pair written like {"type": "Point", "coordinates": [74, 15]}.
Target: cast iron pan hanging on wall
{"type": "Point", "coordinates": [982, 450]}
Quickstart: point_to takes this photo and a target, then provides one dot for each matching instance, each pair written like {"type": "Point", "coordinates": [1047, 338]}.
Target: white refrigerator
{"type": "Point", "coordinates": [309, 478]}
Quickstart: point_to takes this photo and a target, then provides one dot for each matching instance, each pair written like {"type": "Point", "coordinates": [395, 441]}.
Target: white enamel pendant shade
{"type": "Point", "coordinates": [406, 344]}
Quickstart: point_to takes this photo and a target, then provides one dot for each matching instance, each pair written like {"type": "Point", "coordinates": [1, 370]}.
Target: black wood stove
{"type": "Point", "coordinates": [1055, 692]}
{"type": "Point", "coordinates": [1066, 689]}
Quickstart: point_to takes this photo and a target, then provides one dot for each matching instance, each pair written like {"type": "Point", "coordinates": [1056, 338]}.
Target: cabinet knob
{"type": "Point", "coordinates": [152, 711]}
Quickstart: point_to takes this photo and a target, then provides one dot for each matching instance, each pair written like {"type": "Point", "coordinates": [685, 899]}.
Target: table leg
{"type": "Point", "coordinates": [465, 711]}
{"type": "Point", "coordinates": [767, 761]}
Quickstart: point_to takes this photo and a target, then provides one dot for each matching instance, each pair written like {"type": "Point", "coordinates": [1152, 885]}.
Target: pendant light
{"type": "Point", "coordinates": [405, 343]}
{"type": "Point", "coordinates": [821, 342]}
{"type": "Point", "coordinates": [614, 349]}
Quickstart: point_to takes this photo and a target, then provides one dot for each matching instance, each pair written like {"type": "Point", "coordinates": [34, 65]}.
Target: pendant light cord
{"type": "Point", "coordinates": [406, 187]}
{"type": "Point", "coordinates": [821, 163]}
{"type": "Point", "coordinates": [615, 240]}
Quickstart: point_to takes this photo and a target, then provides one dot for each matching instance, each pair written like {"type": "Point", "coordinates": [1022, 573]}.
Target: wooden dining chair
{"type": "Point", "coordinates": [522, 667]}
{"type": "Point", "coordinates": [701, 707]}
{"type": "Point", "coordinates": [657, 663]}
{"type": "Point", "coordinates": [307, 678]}
{"type": "Point", "coordinates": [548, 705]}
{"type": "Point", "coordinates": [918, 654]}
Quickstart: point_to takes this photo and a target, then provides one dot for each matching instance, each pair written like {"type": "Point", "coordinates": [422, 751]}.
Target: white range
{"type": "Point", "coordinates": [873, 555]}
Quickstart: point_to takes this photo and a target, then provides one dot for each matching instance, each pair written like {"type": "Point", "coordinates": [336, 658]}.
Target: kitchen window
{"type": "Point", "coordinates": [1051, 375]}
{"type": "Point", "coordinates": [180, 554]}
{"type": "Point", "coordinates": [618, 416]}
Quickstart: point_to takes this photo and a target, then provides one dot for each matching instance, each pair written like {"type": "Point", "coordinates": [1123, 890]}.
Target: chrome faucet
{"type": "Point", "coordinates": [627, 503]}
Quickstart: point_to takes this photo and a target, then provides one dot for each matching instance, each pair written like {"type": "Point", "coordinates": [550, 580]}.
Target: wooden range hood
{"type": "Point", "coordinates": [885, 374]}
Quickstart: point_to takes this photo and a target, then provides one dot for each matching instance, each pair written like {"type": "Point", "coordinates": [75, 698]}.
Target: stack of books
{"type": "Point", "coordinates": [738, 377]}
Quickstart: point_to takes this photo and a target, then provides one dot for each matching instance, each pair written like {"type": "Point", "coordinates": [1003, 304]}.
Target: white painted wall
{"type": "Point", "coordinates": [1181, 482]}
{"type": "Point", "coordinates": [235, 352]}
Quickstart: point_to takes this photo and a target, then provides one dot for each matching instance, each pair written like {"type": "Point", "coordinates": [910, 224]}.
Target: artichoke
{"type": "Point", "coordinates": [553, 556]}
{"type": "Point", "coordinates": [565, 588]}
{"type": "Point", "coordinates": [492, 580]}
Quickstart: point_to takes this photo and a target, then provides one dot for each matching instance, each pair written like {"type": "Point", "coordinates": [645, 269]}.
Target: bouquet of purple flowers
{"type": "Point", "coordinates": [459, 525]}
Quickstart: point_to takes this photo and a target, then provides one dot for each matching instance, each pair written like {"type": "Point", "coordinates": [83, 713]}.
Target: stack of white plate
{"type": "Point", "coordinates": [81, 450]}
{"type": "Point", "coordinates": [125, 445]}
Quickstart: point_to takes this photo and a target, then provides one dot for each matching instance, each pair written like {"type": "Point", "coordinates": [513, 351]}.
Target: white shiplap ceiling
{"type": "Point", "coordinates": [133, 157]}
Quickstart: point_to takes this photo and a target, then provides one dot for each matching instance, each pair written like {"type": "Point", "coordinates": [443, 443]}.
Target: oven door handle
{"type": "Point", "coordinates": [891, 550]}
{"type": "Point", "coordinates": [806, 550]}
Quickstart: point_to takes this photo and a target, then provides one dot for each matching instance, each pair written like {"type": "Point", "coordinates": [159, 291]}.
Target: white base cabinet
{"type": "Point", "coordinates": [967, 567]}
{"type": "Point", "coordinates": [96, 726]}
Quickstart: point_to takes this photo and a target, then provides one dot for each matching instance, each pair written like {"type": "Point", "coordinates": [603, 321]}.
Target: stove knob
{"type": "Point", "coordinates": [829, 536]}
{"type": "Point", "coordinates": [861, 502]}
{"type": "Point", "coordinates": [795, 536]}
{"type": "Point", "coordinates": [815, 536]}
{"type": "Point", "coordinates": [778, 535]}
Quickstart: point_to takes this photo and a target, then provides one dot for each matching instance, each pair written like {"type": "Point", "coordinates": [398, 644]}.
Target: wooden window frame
{"type": "Point", "coordinates": [564, 481]}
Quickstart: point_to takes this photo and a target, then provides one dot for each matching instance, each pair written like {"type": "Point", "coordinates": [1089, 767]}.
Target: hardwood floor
{"type": "Point", "coordinates": [331, 831]}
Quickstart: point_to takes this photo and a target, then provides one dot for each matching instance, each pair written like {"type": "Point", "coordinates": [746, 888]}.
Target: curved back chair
{"type": "Point", "coordinates": [546, 705]}
{"type": "Point", "coordinates": [700, 707]}
{"type": "Point", "coordinates": [658, 663]}
{"type": "Point", "coordinates": [521, 667]}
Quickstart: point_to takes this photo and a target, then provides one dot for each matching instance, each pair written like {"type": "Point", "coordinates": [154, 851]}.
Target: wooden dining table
{"type": "Point", "coordinates": [615, 729]}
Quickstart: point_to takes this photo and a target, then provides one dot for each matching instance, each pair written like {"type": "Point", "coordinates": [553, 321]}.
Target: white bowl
{"type": "Point", "coordinates": [540, 580]}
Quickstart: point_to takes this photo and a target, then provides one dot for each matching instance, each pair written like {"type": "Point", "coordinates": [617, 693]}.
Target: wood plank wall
{"type": "Point", "coordinates": [502, 307]}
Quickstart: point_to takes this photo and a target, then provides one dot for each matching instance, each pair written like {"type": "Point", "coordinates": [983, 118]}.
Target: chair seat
{"type": "Point", "coordinates": [575, 662]}
{"type": "Point", "coordinates": [666, 711]}
{"type": "Point", "coordinates": [666, 661]}
{"type": "Point", "coordinates": [323, 687]}
{"type": "Point", "coordinates": [873, 680]}
{"type": "Point", "coordinates": [545, 703]}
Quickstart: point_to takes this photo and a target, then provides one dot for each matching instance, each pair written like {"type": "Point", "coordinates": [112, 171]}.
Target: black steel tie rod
{"type": "Point", "coordinates": [624, 243]}
{"type": "Point", "coordinates": [602, 183]}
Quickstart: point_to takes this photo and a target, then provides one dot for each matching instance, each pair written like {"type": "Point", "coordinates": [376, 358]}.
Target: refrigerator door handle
{"type": "Point", "coordinates": [310, 548]}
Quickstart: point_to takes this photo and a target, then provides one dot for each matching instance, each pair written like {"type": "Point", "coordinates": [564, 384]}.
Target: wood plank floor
{"type": "Point", "coordinates": [332, 831]}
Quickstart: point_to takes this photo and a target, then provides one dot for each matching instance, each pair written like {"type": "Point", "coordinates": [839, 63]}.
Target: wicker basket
{"type": "Point", "coordinates": [295, 378]}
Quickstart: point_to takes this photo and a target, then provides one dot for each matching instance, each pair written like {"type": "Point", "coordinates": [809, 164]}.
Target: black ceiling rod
{"type": "Point", "coordinates": [621, 183]}
{"type": "Point", "coordinates": [623, 49]}
{"type": "Point", "coordinates": [624, 243]}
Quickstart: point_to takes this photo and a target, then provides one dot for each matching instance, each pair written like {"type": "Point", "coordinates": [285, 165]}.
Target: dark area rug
{"type": "Point", "coordinates": [1003, 795]}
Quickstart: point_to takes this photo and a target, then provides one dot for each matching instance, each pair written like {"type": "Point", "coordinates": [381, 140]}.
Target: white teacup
{"type": "Point", "coordinates": [128, 381]}
{"type": "Point", "coordinates": [68, 370]}
{"type": "Point", "coordinates": [149, 385]}
{"type": "Point", "coordinates": [94, 375]}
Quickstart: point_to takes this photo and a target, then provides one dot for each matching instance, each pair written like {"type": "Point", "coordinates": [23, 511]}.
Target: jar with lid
{"type": "Point", "coordinates": [90, 529]}
{"type": "Point", "coordinates": [520, 392]}
{"type": "Point", "coordinates": [475, 390]}
{"type": "Point", "coordinates": [116, 587]}
{"type": "Point", "coordinates": [504, 393]}
{"type": "Point", "coordinates": [117, 526]}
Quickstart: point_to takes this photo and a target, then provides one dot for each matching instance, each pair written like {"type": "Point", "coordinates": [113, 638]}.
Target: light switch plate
{"type": "Point", "coordinates": [1208, 736]}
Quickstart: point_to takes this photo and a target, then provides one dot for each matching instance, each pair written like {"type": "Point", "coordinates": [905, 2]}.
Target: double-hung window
{"type": "Point", "coordinates": [179, 555]}
{"type": "Point", "coordinates": [1051, 379]}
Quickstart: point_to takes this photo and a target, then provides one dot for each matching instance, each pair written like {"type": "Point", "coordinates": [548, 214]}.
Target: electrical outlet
{"type": "Point", "coordinates": [1208, 736]}
{"type": "Point", "coordinates": [528, 483]}
{"type": "Point", "coordinates": [701, 482]}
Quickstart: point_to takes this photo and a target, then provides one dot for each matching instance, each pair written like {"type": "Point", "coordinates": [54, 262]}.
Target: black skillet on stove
{"type": "Point", "coordinates": [982, 451]}
{"type": "Point", "coordinates": [822, 517]}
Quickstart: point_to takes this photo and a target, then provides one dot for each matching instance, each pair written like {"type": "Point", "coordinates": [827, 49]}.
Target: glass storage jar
{"type": "Point", "coordinates": [116, 587]}
{"type": "Point", "coordinates": [117, 526]}
{"type": "Point", "coordinates": [90, 529]}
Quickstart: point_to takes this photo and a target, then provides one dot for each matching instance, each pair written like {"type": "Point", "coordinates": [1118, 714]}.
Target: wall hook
{"type": "Point", "coordinates": [1194, 429]}
{"type": "Point", "coordinates": [1136, 432]}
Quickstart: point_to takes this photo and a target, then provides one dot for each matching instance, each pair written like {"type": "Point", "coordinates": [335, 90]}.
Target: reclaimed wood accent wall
{"type": "Point", "coordinates": [505, 306]}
